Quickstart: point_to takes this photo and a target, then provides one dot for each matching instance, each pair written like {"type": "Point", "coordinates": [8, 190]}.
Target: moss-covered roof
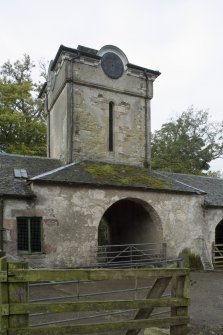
{"type": "Point", "coordinates": [103, 173]}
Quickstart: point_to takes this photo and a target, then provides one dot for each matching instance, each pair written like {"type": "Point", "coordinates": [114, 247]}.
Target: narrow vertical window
{"type": "Point", "coordinates": [110, 130]}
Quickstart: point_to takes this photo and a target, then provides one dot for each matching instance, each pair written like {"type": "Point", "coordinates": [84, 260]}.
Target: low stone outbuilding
{"type": "Point", "coordinates": [53, 218]}
{"type": "Point", "coordinates": [98, 172]}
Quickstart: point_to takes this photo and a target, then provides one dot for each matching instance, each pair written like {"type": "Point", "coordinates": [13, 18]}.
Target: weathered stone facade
{"type": "Point", "coordinates": [78, 110]}
{"type": "Point", "coordinates": [71, 216]}
{"type": "Point", "coordinates": [99, 126]}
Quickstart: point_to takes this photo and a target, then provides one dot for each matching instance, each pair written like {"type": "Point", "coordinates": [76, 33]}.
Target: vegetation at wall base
{"type": "Point", "coordinates": [190, 260]}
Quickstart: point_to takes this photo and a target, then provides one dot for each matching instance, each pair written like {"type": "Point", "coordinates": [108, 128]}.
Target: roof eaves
{"type": "Point", "coordinates": [18, 196]}
{"type": "Point", "coordinates": [71, 50]}
{"type": "Point", "coordinates": [100, 185]}
{"type": "Point", "coordinates": [208, 205]}
{"type": "Point", "coordinates": [137, 67]}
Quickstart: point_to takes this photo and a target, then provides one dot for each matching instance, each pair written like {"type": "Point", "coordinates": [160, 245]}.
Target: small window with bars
{"type": "Point", "coordinates": [29, 234]}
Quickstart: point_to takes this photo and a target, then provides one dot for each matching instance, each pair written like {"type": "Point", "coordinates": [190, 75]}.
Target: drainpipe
{"type": "Point", "coordinates": [147, 126]}
{"type": "Point", "coordinates": [1, 224]}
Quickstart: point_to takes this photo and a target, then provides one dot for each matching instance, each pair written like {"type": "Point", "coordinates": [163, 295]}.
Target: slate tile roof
{"type": "Point", "coordinates": [46, 170]}
{"type": "Point", "coordinates": [213, 187]}
{"type": "Point", "coordinates": [120, 175]}
{"type": "Point", "coordinates": [18, 187]}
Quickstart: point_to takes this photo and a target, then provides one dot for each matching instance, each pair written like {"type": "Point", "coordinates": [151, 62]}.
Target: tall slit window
{"type": "Point", "coordinates": [110, 127]}
{"type": "Point", "coordinates": [29, 234]}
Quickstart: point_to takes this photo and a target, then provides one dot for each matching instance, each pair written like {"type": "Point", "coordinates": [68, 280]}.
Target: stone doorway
{"type": "Point", "coordinates": [130, 231]}
{"type": "Point", "coordinates": [219, 233]}
{"type": "Point", "coordinates": [218, 246]}
{"type": "Point", "coordinates": [130, 221]}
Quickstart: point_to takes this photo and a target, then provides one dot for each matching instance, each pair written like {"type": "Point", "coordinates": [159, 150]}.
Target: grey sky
{"type": "Point", "coordinates": [180, 38]}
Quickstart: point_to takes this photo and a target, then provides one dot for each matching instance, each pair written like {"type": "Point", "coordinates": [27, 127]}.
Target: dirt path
{"type": "Point", "coordinates": [206, 309]}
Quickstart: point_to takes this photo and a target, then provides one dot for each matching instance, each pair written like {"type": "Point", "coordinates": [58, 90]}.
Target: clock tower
{"type": "Point", "coordinates": [98, 106]}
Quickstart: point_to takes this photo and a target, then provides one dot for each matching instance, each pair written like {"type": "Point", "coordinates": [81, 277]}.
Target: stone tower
{"type": "Point", "coordinates": [98, 106]}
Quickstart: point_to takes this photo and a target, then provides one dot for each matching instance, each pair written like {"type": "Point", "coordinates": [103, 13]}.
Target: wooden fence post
{"type": "Point", "coordinates": [18, 293]}
{"type": "Point", "coordinates": [156, 291]}
{"type": "Point", "coordinates": [3, 299]}
{"type": "Point", "coordinates": [180, 289]}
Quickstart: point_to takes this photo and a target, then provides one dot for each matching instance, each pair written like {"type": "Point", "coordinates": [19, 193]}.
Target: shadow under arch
{"type": "Point", "coordinates": [130, 221]}
{"type": "Point", "coordinates": [219, 233]}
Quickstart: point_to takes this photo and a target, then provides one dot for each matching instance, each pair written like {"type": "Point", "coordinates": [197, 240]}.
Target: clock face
{"type": "Point", "coordinates": [112, 65]}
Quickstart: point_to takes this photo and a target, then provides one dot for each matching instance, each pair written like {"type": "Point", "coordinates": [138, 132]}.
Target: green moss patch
{"type": "Point", "coordinates": [123, 175]}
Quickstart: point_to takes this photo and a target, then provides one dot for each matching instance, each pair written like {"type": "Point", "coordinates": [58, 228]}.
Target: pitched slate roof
{"type": "Point", "coordinates": [213, 187]}
{"type": "Point", "coordinates": [46, 170]}
{"type": "Point", "coordinates": [119, 175]}
{"type": "Point", "coordinates": [18, 187]}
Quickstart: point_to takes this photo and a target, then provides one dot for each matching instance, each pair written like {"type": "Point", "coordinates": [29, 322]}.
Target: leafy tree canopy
{"type": "Point", "coordinates": [188, 143]}
{"type": "Point", "coordinates": [22, 124]}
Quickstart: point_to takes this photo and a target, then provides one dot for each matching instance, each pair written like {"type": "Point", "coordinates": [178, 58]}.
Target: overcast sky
{"type": "Point", "coordinates": [180, 38]}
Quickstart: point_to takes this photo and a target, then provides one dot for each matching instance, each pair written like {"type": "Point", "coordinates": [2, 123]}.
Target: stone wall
{"type": "Point", "coordinates": [71, 216]}
{"type": "Point", "coordinates": [79, 107]}
{"type": "Point", "coordinates": [57, 129]}
{"type": "Point", "coordinates": [90, 136]}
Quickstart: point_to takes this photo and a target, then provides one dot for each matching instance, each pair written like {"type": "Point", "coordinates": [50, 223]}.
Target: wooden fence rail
{"type": "Point", "coordinates": [15, 308]}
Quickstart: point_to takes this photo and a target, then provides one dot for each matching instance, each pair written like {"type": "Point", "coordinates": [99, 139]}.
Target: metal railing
{"type": "Point", "coordinates": [217, 252]}
{"type": "Point", "coordinates": [132, 255]}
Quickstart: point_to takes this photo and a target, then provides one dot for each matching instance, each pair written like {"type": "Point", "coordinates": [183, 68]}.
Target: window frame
{"type": "Point", "coordinates": [28, 221]}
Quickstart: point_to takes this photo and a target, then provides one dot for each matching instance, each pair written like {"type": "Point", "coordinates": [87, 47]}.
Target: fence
{"type": "Point", "coordinates": [217, 252]}
{"type": "Point", "coordinates": [15, 308]}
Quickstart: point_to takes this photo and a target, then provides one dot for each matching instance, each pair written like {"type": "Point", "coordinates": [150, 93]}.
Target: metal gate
{"type": "Point", "coordinates": [132, 255]}
{"type": "Point", "coordinates": [217, 255]}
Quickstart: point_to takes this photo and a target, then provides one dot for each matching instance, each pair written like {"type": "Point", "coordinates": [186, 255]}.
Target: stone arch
{"type": "Point", "coordinates": [130, 221]}
{"type": "Point", "coordinates": [219, 233]}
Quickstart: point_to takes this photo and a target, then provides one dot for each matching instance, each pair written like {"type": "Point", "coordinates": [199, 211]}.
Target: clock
{"type": "Point", "coordinates": [112, 65]}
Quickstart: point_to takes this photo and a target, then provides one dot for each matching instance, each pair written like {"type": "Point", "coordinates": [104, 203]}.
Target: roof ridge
{"type": "Point", "coordinates": [52, 171]}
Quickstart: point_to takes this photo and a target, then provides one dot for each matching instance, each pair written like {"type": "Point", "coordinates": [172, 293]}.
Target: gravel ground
{"type": "Point", "coordinates": [206, 309]}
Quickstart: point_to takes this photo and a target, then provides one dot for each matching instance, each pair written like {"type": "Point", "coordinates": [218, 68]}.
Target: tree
{"type": "Point", "coordinates": [188, 143]}
{"type": "Point", "coordinates": [22, 123]}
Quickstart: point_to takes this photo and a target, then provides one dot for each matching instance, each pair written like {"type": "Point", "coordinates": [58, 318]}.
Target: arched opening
{"type": "Point", "coordinates": [131, 222]}
{"type": "Point", "coordinates": [218, 246]}
{"type": "Point", "coordinates": [219, 233]}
